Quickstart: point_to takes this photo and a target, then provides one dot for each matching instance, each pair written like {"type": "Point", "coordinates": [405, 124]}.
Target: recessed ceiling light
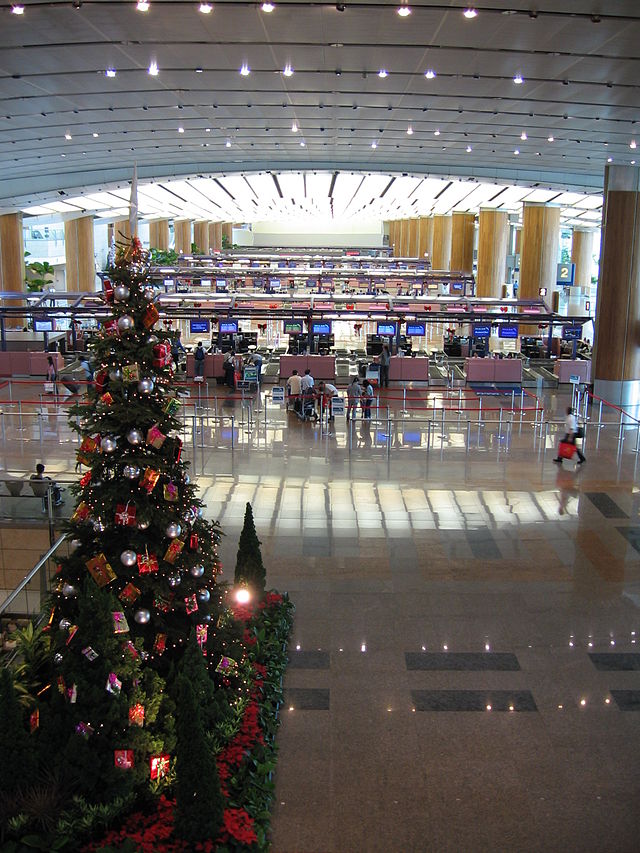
{"type": "Point", "coordinates": [518, 79]}
{"type": "Point", "coordinates": [302, 143]}
{"type": "Point", "coordinates": [228, 143]}
{"type": "Point", "coordinates": [67, 135]}
{"type": "Point", "coordinates": [294, 128]}
{"type": "Point", "coordinates": [609, 159]}
{"type": "Point", "coordinates": [409, 131]}
{"type": "Point", "coordinates": [404, 11]}
{"type": "Point", "coordinates": [632, 144]}
{"type": "Point", "coordinates": [550, 139]}
{"type": "Point", "coordinates": [470, 13]}
{"type": "Point", "coordinates": [17, 10]}
{"type": "Point", "coordinates": [198, 70]}
{"type": "Point", "coordinates": [267, 7]}
{"type": "Point", "coordinates": [63, 155]}
{"type": "Point", "coordinates": [153, 68]}
{"type": "Point", "coordinates": [382, 73]}
{"type": "Point", "coordinates": [374, 144]}
{"type": "Point", "coordinates": [205, 8]}
{"type": "Point", "coordinates": [142, 6]}
{"type": "Point", "coordinates": [181, 130]}
{"type": "Point", "coordinates": [95, 135]}
{"type": "Point", "coordinates": [633, 162]}
{"type": "Point", "coordinates": [430, 74]}
{"type": "Point", "coordinates": [469, 149]}
{"type": "Point", "coordinates": [516, 152]}
{"type": "Point", "coordinates": [245, 70]}
{"type": "Point", "coordinates": [207, 130]}
{"type": "Point", "coordinates": [110, 72]}
{"type": "Point", "coordinates": [523, 135]}
{"type": "Point", "coordinates": [288, 71]}
{"type": "Point", "coordinates": [436, 133]}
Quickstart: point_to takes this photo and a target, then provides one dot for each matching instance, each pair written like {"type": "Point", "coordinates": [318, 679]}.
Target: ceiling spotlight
{"type": "Point", "coordinates": [245, 70]}
{"type": "Point", "coordinates": [469, 149]}
{"type": "Point", "coordinates": [17, 10]}
{"type": "Point", "coordinates": [228, 143]}
{"type": "Point", "coordinates": [382, 73]}
{"type": "Point", "coordinates": [142, 6]}
{"type": "Point", "coordinates": [302, 143]}
{"type": "Point", "coordinates": [95, 135]}
{"type": "Point", "coordinates": [523, 135]}
{"type": "Point", "coordinates": [632, 144]}
{"type": "Point", "coordinates": [288, 71]}
{"type": "Point", "coordinates": [518, 79]}
{"type": "Point", "coordinates": [207, 130]}
{"type": "Point", "coordinates": [153, 68]}
{"type": "Point", "coordinates": [470, 13]}
{"type": "Point", "coordinates": [436, 133]}
{"type": "Point", "coordinates": [430, 74]}
{"type": "Point", "coordinates": [181, 130]}
{"type": "Point", "coordinates": [205, 8]}
{"type": "Point", "coordinates": [409, 131]}
{"type": "Point", "coordinates": [516, 152]}
{"type": "Point", "coordinates": [110, 72]}
{"type": "Point", "coordinates": [198, 70]}
{"type": "Point", "coordinates": [609, 159]}
{"type": "Point", "coordinates": [267, 7]}
{"type": "Point", "coordinates": [374, 144]}
{"type": "Point", "coordinates": [550, 139]}
{"type": "Point", "coordinates": [404, 11]}
{"type": "Point", "coordinates": [67, 135]}
{"type": "Point", "coordinates": [294, 128]}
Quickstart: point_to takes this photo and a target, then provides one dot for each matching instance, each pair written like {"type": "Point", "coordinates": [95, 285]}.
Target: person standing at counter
{"type": "Point", "coordinates": [385, 360]}
{"type": "Point", "coordinates": [367, 399]}
{"type": "Point", "coordinates": [307, 382]}
{"type": "Point", "coordinates": [354, 392]}
{"type": "Point", "coordinates": [198, 363]}
{"type": "Point", "coordinates": [229, 370]}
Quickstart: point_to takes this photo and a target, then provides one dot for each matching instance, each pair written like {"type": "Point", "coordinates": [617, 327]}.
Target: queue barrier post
{"type": "Point", "coordinates": [600, 415]}
{"type": "Point", "coordinates": [233, 431]}
{"type": "Point", "coordinates": [468, 435]}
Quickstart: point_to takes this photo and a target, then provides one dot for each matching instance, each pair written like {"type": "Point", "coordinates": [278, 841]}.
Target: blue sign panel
{"type": "Point", "coordinates": [481, 330]}
{"type": "Point", "coordinates": [571, 333]}
{"type": "Point", "coordinates": [508, 332]}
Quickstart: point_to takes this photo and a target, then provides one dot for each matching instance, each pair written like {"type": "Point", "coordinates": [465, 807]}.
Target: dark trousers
{"type": "Point", "coordinates": [384, 375]}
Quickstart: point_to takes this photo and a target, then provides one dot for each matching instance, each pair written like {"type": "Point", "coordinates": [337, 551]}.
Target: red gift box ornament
{"type": "Point", "coordinates": [123, 758]}
{"type": "Point", "coordinates": [100, 380]}
{"type": "Point", "coordinates": [106, 399]}
{"type": "Point", "coordinates": [136, 715]}
{"type": "Point", "coordinates": [82, 512]}
{"type": "Point", "coordinates": [202, 632]}
{"type": "Point", "coordinates": [191, 603]}
{"type": "Point", "coordinates": [171, 492]}
{"type": "Point", "coordinates": [34, 721]}
{"type": "Point", "coordinates": [147, 564]}
{"type": "Point", "coordinates": [193, 542]}
{"type": "Point", "coordinates": [87, 447]}
{"type": "Point", "coordinates": [107, 290]}
{"type": "Point", "coordinates": [155, 437]}
{"type": "Point", "coordinates": [149, 479]}
{"type": "Point", "coordinates": [126, 514]}
{"type": "Point", "coordinates": [85, 479]}
{"type": "Point", "coordinates": [173, 551]}
{"type": "Point", "coordinates": [161, 355]}
{"type": "Point", "coordinates": [160, 644]}
{"type": "Point", "coordinates": [129, 593]}
{"type": "Point", "coordinates": [159, 766]}
{"type": "Point", "coordinates": [150, 316]}
{"type": "Point", "coordinates": [111, 328]}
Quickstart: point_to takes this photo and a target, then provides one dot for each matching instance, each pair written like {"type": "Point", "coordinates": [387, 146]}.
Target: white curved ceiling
{"type": "Point", "coordinates": [66, 125]}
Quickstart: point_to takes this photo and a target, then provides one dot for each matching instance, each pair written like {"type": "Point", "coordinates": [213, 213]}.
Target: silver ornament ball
{"type": "Point", "coordinates": [197, 571]}
{"type": "Point", "coordinates": [68, 590]}
{"type": "Point", "coordinates": [128, 557]}
{"type": "Point", "coordinates": [131, 472]}
{"type": "Point", "coordinates": [152, 339]}
{"type": "Point", "coordinates": [126, 323]}
{"type": "Point", "coordinates": [142, 616]}
{"type": "Point", "coordinates": [149, 292]}
{"type": "Point", "coordinates": [143, 524]}
{"type": "Point", "coordinates": [121, 293]}
{"type": "Point", "coordinates": [115, 375]}
{"type": "Point", "coordinates": [174, 581]}
{"type": "Point", "coordinates": [134, 436]}
{"type": "Point", "coordinates": [203, 595]}
{"type": "Point", "coordinates": [145, 386]}
{"type": "Point", "coordinates": [173, 530]}
{"type": "Point", "coordinates": [108, 444]}
{"type": "Point", "coordinates": [57, 658]}
{"type": "Point", "coordinates": [98, 526]}
{"type": "Point", "coordinates": [65, 624]}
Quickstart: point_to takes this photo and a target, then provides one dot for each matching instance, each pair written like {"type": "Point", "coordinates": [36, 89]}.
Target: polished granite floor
{"type": "Point", "coordinates": [464, 670]}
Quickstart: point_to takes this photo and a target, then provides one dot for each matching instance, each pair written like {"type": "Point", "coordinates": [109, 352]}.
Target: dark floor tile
{"type": "Point", "coordinates": [316, 546]}
{"type": "Point", "coordinates": [462, 661]}
{"type": "Point", "coordinates": [306, 699]}
{"type": "Point", "coordinates": [473, 700]}
{"type": "Point", "coordinates": [626, 700]}
{"type": "Point", "coordinates": [309, 660]}
{"type": "Point", "coordinates": [632, 535]}
{"type": "Point", "coordinates": [615, 661]}
{"type": "Point", "coordinates": [608, 507]}
{"type": "Point", "coordinates": [483, 545]}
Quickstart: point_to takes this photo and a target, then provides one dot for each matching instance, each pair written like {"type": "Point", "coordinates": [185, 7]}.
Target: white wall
{"type": "Point", "coordinates": [321, 233]}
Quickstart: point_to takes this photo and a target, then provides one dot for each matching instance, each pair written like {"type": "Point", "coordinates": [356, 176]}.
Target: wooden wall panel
{"type": "Point", "coordinates": [425, 237]}
{"type": "Point", "coordinates": [412, 247]}
{"type": "Point", "coordinates": [441, 242]}
{"type": "Point", "coordinates": [462, 234]}
{"type": "Point", "coordinates": [159, 234]}
{"type": "Point", "coordinates": [201, 235]}
{"type": "Point", "coordinates": [539, 257]}
{"type": "Point", "coordinates": [182, 235]}
{"type": "Point", "coordinates": [12, 261]}
{"type": "Point", "coordinates": [493, 237]}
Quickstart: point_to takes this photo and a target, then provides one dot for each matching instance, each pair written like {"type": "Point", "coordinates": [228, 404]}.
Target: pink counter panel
{"type": "Point", "coordinates": [28, 363]}
{"type": "Point", "coordinates": [321, 366]}
{"type": "Point", "coordinates": [565, 368]}
{"type": "Point", "coordinates": [495, 370]}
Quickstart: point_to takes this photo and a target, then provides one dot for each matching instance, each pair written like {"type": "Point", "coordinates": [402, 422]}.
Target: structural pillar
{"type": "Point", "coordinates": [121, 230]}
{"type": "Point", "coordinates": [539, 256]}
{"type": "Point", "coordinates": [159, 234]}
{"type": "Point", "coordinates": [581, 256]}
{"type": "Point", "coordinates": [425, 237]}
{"type": "Point", "coordinates": [227, 234]}
{"type": "Point", "coordinates": [12, 262]}
{"type": "Point", "coordinates": [412, 247]}
{"type": "Point", "coordinates": [201, 236]}
{"type": "Point", "coordinates": [441, 242]}
{"type": "Point", "coordinates": [462, 232]}
{"type": "Point", "coordinates": [80, 262]}
{"type": "Point", "coordinates": [493, 237]}
{"type": "Point", "coordinates": [182, 236]}
{"type": "Point", "coordinates": [404, 239]}
{"type": "Point", "coordinates": [617, 344]}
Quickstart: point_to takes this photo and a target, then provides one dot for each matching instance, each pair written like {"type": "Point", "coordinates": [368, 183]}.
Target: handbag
{"type": "Point", "coordinates": [49, 388]}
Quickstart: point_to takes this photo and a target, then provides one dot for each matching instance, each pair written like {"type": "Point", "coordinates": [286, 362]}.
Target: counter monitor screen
{"type": "Point", "coordinates": [221, 284]}
{"type": "Point", "coordinates": [43, 325]}
{"type": "Point", "coordinates": [197, 327]}
{"type": "Point", "coordinates": [205, 282]}
{"type": "Point", "coordinates": [386, 329]}
{"type": "Point", "coordinates": [416, 329]}
{"type": "Point", "coordinates": [508, 332]}
{"type": "Point", "coordinates": [230, 327]}
{"type": "Point", "coordinates": [168, 282]}
{"type": "Point", "coordinates": [292, 327]}
{"type": "Point", "coordinates": [321, 328]}
{"type": "Point", "coordinates": [481, 330]}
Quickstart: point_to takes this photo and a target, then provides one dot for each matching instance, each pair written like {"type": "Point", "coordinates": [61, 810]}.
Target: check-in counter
{"type": "Point", "coordinates": [321, 366]}
{"type": "Point", "coordinates": [494, 370]}
{"type": "Point", "coordinates": [28, 363]}
{"type": "Point", "coordinates": [403, 369]}
{"type": "Point", "coordinates": [565, 368]}
{"type": "Point", "coordinates": [213, 368]}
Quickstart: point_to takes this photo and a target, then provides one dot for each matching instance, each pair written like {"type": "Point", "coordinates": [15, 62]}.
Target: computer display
{"type": "Point", "coordinates": [229, 327]}
{"type": "Point", "coordinates": [199, 327]}
{"type": "Point", "coordinates": [416, 329]}
{"type": "Point", "coordinates": [321, 327]}
{"type": "Point", "coordinates": [481, 330]}
{"type": "Point", "coordinates": [292, 327]}
{"type": "Point", "coordinates": [43, 325]}
{"type": "Point", "coordinates": [508, 332]}
{"type": "Point", "coordinates": [386, 329]}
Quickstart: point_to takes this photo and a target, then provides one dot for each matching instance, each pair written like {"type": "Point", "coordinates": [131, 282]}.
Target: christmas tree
{"type": "Point", "coordinates": [250, 569]}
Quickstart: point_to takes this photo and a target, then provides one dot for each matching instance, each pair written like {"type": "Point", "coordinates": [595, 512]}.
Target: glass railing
{"type": "Point", "coordinates": [23, 499]}
{"type": "Point", "coordinates": [27, 599]}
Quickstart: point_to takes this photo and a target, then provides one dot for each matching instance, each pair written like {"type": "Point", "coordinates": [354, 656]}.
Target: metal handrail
{"type": "Point", "coordinates": [34, 571]}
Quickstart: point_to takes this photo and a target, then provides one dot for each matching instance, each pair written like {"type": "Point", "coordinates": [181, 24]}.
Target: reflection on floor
{"type": "Point", "coordinates": [465, 673]}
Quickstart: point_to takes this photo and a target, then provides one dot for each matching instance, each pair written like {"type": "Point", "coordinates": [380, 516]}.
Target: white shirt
{"type": "Point", "coordinates": [306, 382]}
{"type": "Point", "coordinates": [571, 423]}
{"type": "Point", "coordinates": [330, 390]}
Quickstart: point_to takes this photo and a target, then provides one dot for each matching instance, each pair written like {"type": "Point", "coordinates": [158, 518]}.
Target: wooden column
{"type": "Point", "coordinates": [12, 269]}
{"type": "Point", "coordinates": [493, 238]}
{"type": "Point", "coordinates": [462, 232]}
{"type": "Point", "coordinates": [201, 236]}
{"type": "Point", "coordinates": [159, 234]}
{"type": "Point", "coordinates": [518, 245]}
{"type": "Point", "coordinates": [539, 256]}
{"type": "Point", "coordinates": [581, 255]}
{"type": "Point", "coordinates": [217, 237]}
{"type": "Point", "coordinates": [425, 237]}
{"type": "Point", "coordinates": [227, 232]}
{"type": "Point", "coordinates": [182, 236]}
{"type": "Point", "coordinates": [403, 248]}
{"type": "Point", "coordinates": [617, 344]}
{"type": "Point", "coordinates": [412, 248]}
{"type": "Point", "coordinates": [122, 231]}
{"type": "Point", "coordinates": [80, 263]}
{"type": "Point", "coordinates": [393, 234]}
{"type": "Point", "coordinates": [441, 242]}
